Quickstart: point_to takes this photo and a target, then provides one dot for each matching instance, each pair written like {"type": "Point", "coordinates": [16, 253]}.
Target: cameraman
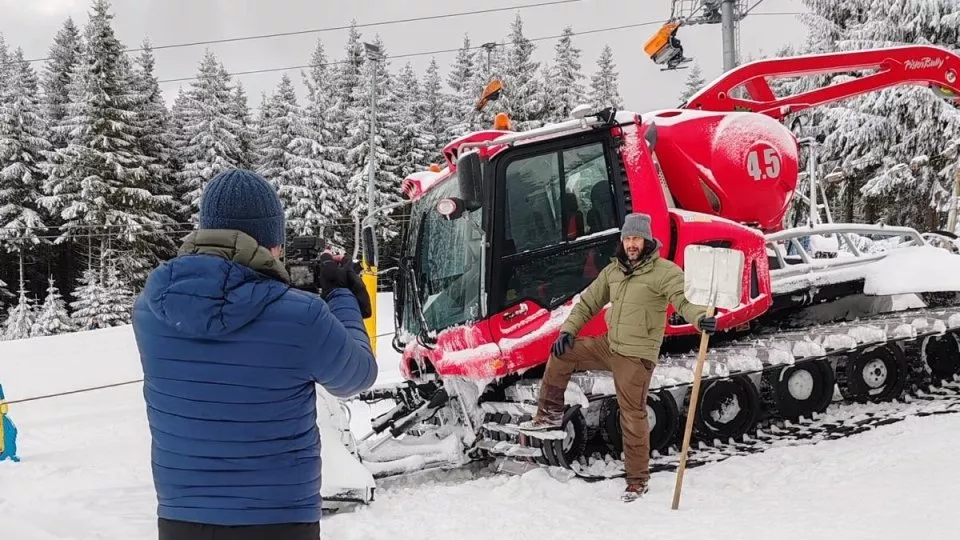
{"type": "Point", "coordinates": [231, 354]}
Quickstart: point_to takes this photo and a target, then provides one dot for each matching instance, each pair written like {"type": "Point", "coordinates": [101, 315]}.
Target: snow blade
{"type": "Point", "coordinates": [713, 276]}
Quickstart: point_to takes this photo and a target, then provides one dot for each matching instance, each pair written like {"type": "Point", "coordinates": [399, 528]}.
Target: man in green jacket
{"type": "Point", "coordinates": [638, 284]}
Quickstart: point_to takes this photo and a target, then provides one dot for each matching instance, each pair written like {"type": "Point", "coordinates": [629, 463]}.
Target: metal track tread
{"type": "Point", "coordinates": [501, 434]}
{"type": "Point", "coordinates": [841, 420]}
{"type": "Point", "coordinates": [901, 336]}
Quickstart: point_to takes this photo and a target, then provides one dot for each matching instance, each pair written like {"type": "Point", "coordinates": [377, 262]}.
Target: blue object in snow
{"type": "Point", "coordinates": [8, 433]}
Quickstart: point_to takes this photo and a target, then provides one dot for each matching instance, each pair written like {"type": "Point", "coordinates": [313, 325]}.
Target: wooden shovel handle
{"type": "Point", "coordinates": [691, 413]}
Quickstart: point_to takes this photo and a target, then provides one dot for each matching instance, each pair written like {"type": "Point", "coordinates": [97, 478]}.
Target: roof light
{"type": "Point", "coordinates": [501, 122]}
{"type": "Point", "coordinates": [435, 167]}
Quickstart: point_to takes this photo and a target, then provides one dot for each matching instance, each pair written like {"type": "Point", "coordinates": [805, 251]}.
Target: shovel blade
{"type": "Point", "coordinates": [713, 276]}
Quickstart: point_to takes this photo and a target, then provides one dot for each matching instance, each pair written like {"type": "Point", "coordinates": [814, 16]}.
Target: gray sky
{"type": "Point", "coordinates": [32, 24]}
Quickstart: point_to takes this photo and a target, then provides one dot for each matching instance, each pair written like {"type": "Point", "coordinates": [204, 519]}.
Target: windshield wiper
{"type": "Point", "coordinates": [423, 336]}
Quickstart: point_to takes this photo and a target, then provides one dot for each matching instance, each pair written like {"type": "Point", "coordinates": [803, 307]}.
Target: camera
{"type": "Point", "coordinates": [303, 262]}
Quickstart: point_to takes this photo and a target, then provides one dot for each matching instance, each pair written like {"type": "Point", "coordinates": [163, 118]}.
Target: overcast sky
{"type": "Point", "coordinates": [32, 24]}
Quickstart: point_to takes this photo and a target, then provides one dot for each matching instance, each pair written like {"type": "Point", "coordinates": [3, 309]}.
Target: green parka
{"type": "Point", "coordinates": [637, 317]}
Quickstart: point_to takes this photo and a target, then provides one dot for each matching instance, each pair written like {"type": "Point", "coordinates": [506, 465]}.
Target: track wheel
{"type": "Point", "coordinates": [563, 452]}
{"type": "Point", "coordinates": [877, 374]}
{"type": "Point", "coordinates": [942, 354]}
{"type": "Point", "coordinates": [663, 417]}
{"type": "Point", "coordinates": [728, 408]}
{"type": "Point", "coordinates": [801, 389]}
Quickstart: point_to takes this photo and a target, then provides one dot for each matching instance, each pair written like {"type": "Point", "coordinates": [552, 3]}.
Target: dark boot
{"type": "Point", "coordinates": [549, 410]}
{"type": "Point", "coordinates": [634, 491]}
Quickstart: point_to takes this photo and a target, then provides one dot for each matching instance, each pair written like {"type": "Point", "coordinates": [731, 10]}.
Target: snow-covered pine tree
{"type": "Point", "coordinates": [414, 141]}
{"type": "Point", "coordinates": [261, 123]}
{"type": "Point", "coordinates": [4, 62]}
{"type": "Point", "coordinates": [462, 80]}
{"type": "Point", "coordinates": [90, 309]}
{"type": "Point", "coordinates": [53, 317]}
{"type": "Point", "coordinates": [178, 141]}
{"type": "Point", "coordinates": [160, 211]}
{"type": "Point", "coordinates": [693, 83]}
{"type": "Point", "coordinates": [604, 85]}
{"type": "Point", "coordinates": [522, 87]}
{"type": "Point", "coordinates": [564, 89]}
{"type": "Point", "coordinates": [346, 76]}
{"type": "Point", "coordinates": [63, 56]}
{"type": "Point", "coordinates": [99, 183]}
{"type": "Point", "coordinates": [321, 84]}
{"type": "Point", "coordinates": [119, 297]}
{"type": "Point", "coordinates": [155, 138]}
{"type": "Point", "coordinates": [425, 111]}
{"type": "Point", "coordinates": [247, 133]}
{"type": "Point", "coordinates": [292, 161]}
{"type": "Point", "coordinates": [212, 137]}
{"type": "Point", "coordinates": [892, 144]}
{"type": "Point", "coordinates": [20, 318]}
{"type": "Point", "coordinates": [22, 159]}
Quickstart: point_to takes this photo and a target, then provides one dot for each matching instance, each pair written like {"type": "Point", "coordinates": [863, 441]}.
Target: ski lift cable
{"type": "Point", "coordinates": [340, 27]}
{"type": "Point", "coordinates": [456, 49]}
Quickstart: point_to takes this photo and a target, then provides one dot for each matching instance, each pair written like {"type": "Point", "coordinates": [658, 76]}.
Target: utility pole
{"type": "Point", "coordinates": [728, 24]}
{"type": "Point", "coordinates": [370, 266]}
{"type": "Point", "coordinates": [489, 46]}
{"type": "Point", "coordinates": [728, 13]}
{"type": "Point", "coordinates": [373, 56]}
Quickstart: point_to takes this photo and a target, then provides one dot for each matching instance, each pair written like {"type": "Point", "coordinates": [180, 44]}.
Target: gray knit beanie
{"type": "Point", "coordinates": [636, 224]}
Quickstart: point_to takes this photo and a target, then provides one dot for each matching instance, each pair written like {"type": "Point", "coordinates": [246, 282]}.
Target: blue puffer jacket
{"type": "Point", "coordinates": [230, 355]}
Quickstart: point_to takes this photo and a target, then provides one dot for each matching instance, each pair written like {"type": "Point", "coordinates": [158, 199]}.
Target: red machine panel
{"type": "Point", "coordinates": [739, 165]}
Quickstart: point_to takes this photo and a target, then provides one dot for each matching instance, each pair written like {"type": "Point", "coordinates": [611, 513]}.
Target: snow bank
{"type": "Point", "coordinates": [67, 362]}
{"type": "Point", "coordinates": [914, 269]}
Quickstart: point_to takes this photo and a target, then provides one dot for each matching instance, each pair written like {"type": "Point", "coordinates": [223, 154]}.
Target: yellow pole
{"type": "Point", "coordinates": [369, 276]}
{"type": "Point", "coordinates": [3, 410]}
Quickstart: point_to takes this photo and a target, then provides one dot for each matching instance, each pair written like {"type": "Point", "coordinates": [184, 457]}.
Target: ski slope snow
{"type": "Point", "coordinates": [85, 474]}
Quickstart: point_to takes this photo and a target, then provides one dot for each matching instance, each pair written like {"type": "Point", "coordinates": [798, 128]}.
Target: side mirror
{"type": "Point", "coordinates": [451, 208]}
{"type": "Point", "coordinates": [470, 177]}
{"type": "Point", "coordinates": [369, 246]}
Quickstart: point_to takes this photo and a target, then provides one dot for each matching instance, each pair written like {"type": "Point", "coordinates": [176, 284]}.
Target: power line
{"type": "Point", "coordinates": [457, 49]}
{"type": "Point", "coordinates": [341, 27]}
{"type": "Point", "coordinates": [421, 53]}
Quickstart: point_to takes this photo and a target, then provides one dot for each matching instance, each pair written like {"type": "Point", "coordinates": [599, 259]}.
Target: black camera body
{"type": "Point", "coordinates": [303, 262]}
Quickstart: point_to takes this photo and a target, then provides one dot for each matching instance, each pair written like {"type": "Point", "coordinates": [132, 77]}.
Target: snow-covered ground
{"type": "Point", "coordinates": [85, 474]}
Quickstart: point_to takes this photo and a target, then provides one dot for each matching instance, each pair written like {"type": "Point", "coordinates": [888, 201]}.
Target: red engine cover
{"type": "Point", "coordinates": [737, 165]}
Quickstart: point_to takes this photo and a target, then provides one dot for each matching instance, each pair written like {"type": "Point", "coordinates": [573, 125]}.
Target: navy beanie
{"type": "Point", "coordinates": [244, 201]}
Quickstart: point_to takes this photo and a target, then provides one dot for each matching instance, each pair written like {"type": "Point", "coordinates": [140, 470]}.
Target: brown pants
{"type": "Point", "coordinates": [631, 378]}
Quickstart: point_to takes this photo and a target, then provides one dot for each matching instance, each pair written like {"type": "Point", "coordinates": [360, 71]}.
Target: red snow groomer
{"type": "Point", "coordinates": [505, 236]}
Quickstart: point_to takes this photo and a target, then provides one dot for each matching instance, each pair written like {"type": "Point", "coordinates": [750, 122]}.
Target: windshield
{"type": "Point", "coordinates": [446, 265]}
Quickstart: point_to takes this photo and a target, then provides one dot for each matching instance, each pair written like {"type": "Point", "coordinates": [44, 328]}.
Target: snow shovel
{"type": "Point", "coordinates": [713, 278]}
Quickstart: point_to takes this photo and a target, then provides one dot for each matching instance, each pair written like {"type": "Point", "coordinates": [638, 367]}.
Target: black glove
{"type": "Point", "coordinates": [330, 275]}
{"type": "Point", "coordinates": [356, 286]}
{"type": "Point", "coordinates": [343, 275]}
{"type": "Point", "coordinates": [563, 344]}
{"type": "Point", "coordinates": [707, 324]}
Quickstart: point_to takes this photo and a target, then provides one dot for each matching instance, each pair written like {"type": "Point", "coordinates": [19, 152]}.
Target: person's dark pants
{"type": "Point", "coordinates": [182, 530]}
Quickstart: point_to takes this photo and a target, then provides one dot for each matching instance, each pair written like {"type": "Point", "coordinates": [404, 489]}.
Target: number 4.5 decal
{"type": "Point", "coordinates": [771, 163]}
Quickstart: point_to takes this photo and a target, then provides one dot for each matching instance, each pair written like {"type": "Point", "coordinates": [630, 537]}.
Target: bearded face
{"type": "Point", "coordinates": [633, 246]}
